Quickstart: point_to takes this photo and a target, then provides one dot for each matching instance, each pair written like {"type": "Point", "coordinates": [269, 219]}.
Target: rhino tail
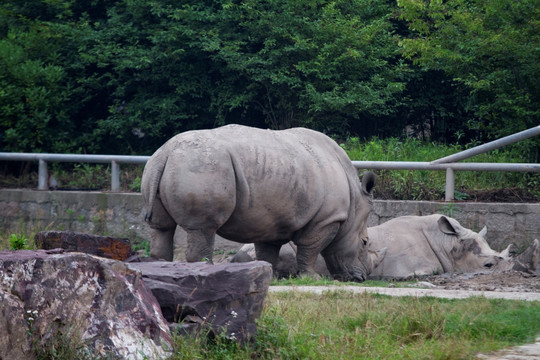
{"type": "Point", "coordinates": [151, 178]}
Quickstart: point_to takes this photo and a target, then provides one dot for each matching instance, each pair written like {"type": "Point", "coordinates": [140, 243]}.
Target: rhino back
{"type": "Point", "coordinates": [253, 184]}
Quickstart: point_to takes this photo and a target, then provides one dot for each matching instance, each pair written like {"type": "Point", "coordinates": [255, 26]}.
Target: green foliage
{"type": "Point", "coordinates": [123, 76]}
{"type": "Point", "coordinates": [430, 185]}
{"type": "Point", "coordinates": [18, 242]}
{"type": "Point", "coordinates": [490, 48]}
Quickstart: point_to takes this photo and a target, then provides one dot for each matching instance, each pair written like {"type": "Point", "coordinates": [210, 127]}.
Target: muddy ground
{"type": "Point", "coordinates": [507, 281]}
{"type": "Point", "coordinates": [502, 281]}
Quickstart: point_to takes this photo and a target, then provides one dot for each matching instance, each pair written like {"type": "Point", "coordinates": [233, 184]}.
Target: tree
{"type": "Point", "coordinates": [32, 113]}
{"type": "Point", "coordinates": [489, 48]}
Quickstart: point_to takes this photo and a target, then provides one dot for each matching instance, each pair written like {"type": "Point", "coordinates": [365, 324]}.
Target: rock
{"type": "Point", "coordinates": [14, 344]}
{"type": "Point", "coordinates": [102, 302]}
{"type": "Point", "coordinates": [104, 246]}
{"type": "Point", "coordinates": [225, 299]}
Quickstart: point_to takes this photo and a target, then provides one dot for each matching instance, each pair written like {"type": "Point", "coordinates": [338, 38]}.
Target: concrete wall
{"type": "Point", "coordinates": [122, 214]}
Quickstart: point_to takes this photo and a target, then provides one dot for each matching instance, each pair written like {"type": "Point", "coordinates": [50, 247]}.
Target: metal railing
{"type": "Point", "coordinates": [43, 173]}
{"type": "Point", "coordinates": [448, 164]}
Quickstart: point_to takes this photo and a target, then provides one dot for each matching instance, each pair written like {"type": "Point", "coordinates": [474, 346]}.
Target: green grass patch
{"type": "Point", "coordinates": [324, 281]}
{"type": "Point", "coordinates": [343, 325]}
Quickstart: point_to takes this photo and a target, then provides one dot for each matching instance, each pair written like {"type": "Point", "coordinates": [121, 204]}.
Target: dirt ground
{"type": "Point", "coordinates": [505, 281]}
{"type": "Point", "coordinates": [511, 285]}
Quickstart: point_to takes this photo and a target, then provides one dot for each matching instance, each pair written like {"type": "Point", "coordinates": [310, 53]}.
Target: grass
{"type": "Point", "coordinates": [310, 281]}
{"type": "Point", "coordinates": [343, 325]}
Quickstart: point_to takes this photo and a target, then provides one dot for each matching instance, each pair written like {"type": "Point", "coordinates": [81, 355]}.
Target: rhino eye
{"type": "Point", "coordinates": [364, 241]}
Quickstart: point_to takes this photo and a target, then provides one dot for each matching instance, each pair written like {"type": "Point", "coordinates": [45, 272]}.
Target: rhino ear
{"type": "Point", "coordinates": [483, 232]}
{"type": "Point", "coordinates": [368, 182]}
{"type": "Point", "coordinates": [445, 226]}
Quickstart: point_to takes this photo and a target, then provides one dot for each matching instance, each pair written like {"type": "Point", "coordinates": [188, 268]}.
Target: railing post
{"type": "Point", "coordinates": [115, 176]}
{"type": "Point", "coordinates": [43, 175]}
{"type": "Point", "coordinates": [449, 194]}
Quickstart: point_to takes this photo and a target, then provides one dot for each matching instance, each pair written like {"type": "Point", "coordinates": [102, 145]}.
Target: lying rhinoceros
{"type": "Point", "coordinates": [261, 186]}
{"type": "Point", "coordinates": [410, 246]}
{"type": "Point", "coordinates": [424, 245]}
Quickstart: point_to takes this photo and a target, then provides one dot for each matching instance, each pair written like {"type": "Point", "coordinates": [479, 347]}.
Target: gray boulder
{"type": "Point", "coordinates": [103, 303]}
{"type": "Point", "coordinates": [223, 299]}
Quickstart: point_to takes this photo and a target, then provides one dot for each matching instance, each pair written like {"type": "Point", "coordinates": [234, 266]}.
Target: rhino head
{"type": "Point", "coordinates": [347, 258]}
{"type": "Point", "coordinates": [470, 251]}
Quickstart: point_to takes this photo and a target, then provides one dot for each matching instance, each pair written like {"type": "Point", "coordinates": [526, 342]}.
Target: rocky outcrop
{"type": "Point", "coordinates": [102, 303]}
{"type": "Point", "coordinates": [124, 310]}
{"type": "Point", "coordinates": [224, 299]}
{"type": "Point", "coordinates": [104, 246]}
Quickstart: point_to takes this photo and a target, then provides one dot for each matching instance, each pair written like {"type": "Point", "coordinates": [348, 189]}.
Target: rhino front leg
{"type": "Point", "coordinates": [309, 247]}
{"type": "Point", "coordinates": [161, 245]}
{"type": "Point", "coordinates": [200, 245]}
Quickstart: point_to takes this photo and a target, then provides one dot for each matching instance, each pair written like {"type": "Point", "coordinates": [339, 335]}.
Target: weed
{"type": "Point", "coordinates": [18, 242]}
{"type": "Point", "coordinates": [135, 184]}
{"type": "Point", "coordinates": [450, 209]}
{"type": "Point", "coordinates": [427, 185]}
{"type": "Point", "coordinates": [141, 245]}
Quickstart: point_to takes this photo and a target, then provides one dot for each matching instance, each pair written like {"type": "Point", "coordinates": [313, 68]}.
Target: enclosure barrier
{"type": "Point", "coordinates": [448, 164]}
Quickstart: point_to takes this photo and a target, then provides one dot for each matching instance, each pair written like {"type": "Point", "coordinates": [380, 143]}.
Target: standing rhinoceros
{"type": "Point", "coordinates": [260, 186]}
{"type": "Point", "coordinates": [424, 245]}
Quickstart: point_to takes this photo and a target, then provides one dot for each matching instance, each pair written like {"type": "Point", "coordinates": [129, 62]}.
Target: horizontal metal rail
{"type": "Point", "coordinates": [103, 159]}
{"type": "Point", "coordinates": [448, 164]}
{"type": "Point", "coordinates": [448, 167]}
{"type": "Point", "coordinates": [43, 158]}
{"type": "Point", "coordinates": [405, 165]}
{"type": "Point", "coordinates": [116, 160]}
{"type": "Point", "coordinates": [492, 145]}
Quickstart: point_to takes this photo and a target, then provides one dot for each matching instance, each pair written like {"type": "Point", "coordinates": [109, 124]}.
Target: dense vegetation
{"type": "Point", "coordinates": [122, 76]}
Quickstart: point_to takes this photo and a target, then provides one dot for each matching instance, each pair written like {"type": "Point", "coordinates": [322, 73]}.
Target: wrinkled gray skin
{"type": "Point", "coordinates": [424, 245]}
{"type": "Point", "coordinates": [261, 186]}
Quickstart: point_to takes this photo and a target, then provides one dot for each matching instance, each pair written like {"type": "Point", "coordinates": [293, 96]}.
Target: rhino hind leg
{"type": "Point", "coordinates": [200, 245]}
{"type": "Point", "coordinates": [162, 243]}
